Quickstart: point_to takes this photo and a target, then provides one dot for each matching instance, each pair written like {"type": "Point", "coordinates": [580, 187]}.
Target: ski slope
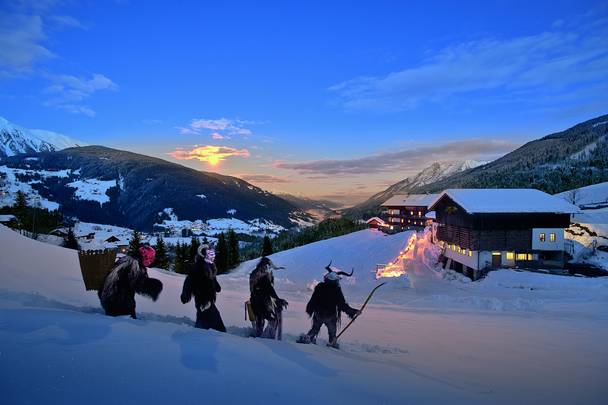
{"type": "Point", "coordinates": [430, 338]}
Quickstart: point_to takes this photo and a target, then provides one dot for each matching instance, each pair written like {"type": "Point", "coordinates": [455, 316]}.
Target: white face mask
{"type": "Point", "coordinates": [210, 256]}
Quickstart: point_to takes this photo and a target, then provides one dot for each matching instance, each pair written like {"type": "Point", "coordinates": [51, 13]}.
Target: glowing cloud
{"type": "Point", "coordinates": [209, 153]}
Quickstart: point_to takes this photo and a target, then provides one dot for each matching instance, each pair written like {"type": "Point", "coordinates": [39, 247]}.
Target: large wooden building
{"type": "Point", "coordinates": [482, 229]}
{"type": "Point", "coordinates": [408, 211]}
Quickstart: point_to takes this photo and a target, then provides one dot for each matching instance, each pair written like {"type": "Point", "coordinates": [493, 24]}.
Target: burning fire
{"type": "Point", "coordinates": [396, 268]}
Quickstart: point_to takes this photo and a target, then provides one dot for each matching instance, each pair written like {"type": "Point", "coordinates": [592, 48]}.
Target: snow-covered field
{"type": "Point", "coordinates": [93, 189]}
{"type": "Point", "coordinates": [429, 338]}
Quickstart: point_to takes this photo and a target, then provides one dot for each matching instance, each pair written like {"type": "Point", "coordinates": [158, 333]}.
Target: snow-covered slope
{"type": "Point", "coordinates": [15, 139]}
{"type": "Point", "coordinates": [590, 197]}
{"type": "Point", "coordinates": [514, 337]}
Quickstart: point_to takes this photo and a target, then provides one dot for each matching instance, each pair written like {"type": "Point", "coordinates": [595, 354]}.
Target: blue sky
{"type": "Point", "coordinates": [334, 100]}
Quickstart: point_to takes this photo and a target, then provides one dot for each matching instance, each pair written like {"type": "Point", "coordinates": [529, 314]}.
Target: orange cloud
{"type": "Point", "coordinates": [209, 153]}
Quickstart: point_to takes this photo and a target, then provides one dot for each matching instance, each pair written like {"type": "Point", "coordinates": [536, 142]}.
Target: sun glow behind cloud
{"type": "Point", "coordinates": [211, 154]}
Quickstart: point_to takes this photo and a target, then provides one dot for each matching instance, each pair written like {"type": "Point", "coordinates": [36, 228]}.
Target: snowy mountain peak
{"type": "Point", "coordinates": [15, 139]}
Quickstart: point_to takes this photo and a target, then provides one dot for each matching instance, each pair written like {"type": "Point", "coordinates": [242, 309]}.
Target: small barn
{"type": "Point", "coordinates": [376, 223]}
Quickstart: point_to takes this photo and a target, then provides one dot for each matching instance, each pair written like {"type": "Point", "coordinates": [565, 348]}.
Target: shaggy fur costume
{"type": "Point", "coordinates": [201, 283]}
{"type": "Point", "coordinates": [129, 276]}
{"type": "Point", "coordinates": [325, 307]}
{"type": "Point", "coordinates": [265, 302]}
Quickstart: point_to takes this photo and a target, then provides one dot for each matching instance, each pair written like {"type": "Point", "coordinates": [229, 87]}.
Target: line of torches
{"type": "Point", "coordinates": [396, 268]}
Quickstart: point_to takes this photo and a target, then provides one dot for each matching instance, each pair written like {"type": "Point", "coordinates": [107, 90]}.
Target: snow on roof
{"type": "Point", "coordinates": [379, 220]}
{"type": "Point", "coordinates": [7, 218]}
{"type": "Point", "coordinates": [431, 215]}
{"type": "Point", "coordinates": [507, 200]}
{"type": "Point", "coordinates": [410, 200]}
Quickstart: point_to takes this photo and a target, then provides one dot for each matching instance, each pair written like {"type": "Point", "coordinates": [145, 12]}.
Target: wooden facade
{"type": "Point", "coordinates": [491, 231]}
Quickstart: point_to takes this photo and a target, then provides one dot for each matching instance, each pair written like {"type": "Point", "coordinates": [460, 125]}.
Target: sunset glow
{"type": "Point", "coordinates": [209, 153]}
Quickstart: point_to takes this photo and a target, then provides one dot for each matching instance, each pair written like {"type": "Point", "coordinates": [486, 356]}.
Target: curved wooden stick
{"type": "Point", "coordinates": [360, 311]}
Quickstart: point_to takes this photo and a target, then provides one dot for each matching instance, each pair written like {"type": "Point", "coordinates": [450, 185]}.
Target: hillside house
{"type": "Point", "coordinates": [376, 223]}
{"type": "Point", "coordinates": [403, 212]}
{"type": "Point", "coordinates": [483, 229]}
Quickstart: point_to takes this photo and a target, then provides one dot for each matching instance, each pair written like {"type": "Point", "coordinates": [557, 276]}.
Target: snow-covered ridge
{"type": "Point", "coordinates": [15, 139]}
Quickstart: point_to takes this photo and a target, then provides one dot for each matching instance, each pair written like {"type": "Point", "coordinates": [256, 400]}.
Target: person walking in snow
{"type": "Point", "coordinates": [128, 277]}
{"type": "Point", "coordinates": [266, 305]}
{"type": "Point", "coordinates": [325, 307]}
{"type": "Point", "coordinates": [201, 283]}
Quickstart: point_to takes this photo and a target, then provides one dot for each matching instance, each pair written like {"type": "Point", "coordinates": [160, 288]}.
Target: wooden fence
{"type": "Point", "coordinates": [95, 265]}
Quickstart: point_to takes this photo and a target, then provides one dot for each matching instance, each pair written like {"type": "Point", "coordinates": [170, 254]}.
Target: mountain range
{"type": "Point", "coordinates": [429, 175]}
{"type": "Point", "coordinates": [104, 185]}
{"type": "Point", "coordinates": [15, 139]}
{"type": "Point", "coordinates": [565, 160]}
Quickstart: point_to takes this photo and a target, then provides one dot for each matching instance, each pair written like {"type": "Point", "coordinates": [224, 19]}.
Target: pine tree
{"type": "Point", "coordinates": [179, 264]}
{"type": "Point", "coordinates": [221, 254]}
{"type": "Point", "coordinates": [134, 243]}
{"type": "Point", "coordinates": [20, 208]}
{"type": "Point", "coordinates": [194, 245]}
{"type": "Point", "coordinates": [233, 250]}
{"type": "Point", "coordinates": [267, 246]}
{"type": "Point", "coordinates": [70, 241]}
{"type": "Point", "coordinates": [162, 259]}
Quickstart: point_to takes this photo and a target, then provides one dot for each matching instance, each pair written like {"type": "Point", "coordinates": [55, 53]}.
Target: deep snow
{"type": "Point", "coordinates": [428, 338]}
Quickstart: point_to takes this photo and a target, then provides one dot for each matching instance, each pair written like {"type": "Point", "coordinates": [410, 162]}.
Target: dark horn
{"type": "Point", "coordinates": [343, 273]}
{"type": "Point", "coordinates": [328, 267]}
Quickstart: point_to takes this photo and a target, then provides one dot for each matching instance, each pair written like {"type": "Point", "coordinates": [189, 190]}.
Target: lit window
{"type": "Point", "coordinates": [419, 213]}
{"type": "Point", "coordinates": [464, 252]}
{"type": "Point", "coordinates": [542, 237]}
{"type": "Point", "coordinates": [454, 248]}
{"type": "Point", "coordinates": [510, 255]}
{"type": "Point", "coordinates": [530, 257]}
{"type": "Point", "coordinates": [521, 256]}
{"type": "Point", "coordinates": [552, 237]}
{"type": "Point", "coordinates": [412, 213]}
{"type": "Point", "coordinates": [458, 249]}
{"type": "Point", "coordinates": [470, 253]}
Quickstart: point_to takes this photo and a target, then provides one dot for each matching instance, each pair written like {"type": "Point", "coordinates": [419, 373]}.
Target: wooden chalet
{"type": "Point", "coordinates": [482, 229]}
{"type": "Point", "coordinates": [403, 212]}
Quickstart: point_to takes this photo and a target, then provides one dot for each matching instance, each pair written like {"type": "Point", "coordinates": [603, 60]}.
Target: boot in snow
{"type": "Point", "coordinates": [305, 339]}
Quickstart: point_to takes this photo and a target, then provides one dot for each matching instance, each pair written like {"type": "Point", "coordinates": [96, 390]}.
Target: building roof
{"type": "Point", "coordinates": [509, 200]}
{"type": "Point", "coordinates": [410, 200]}
{"type": "Point", "coordinates": [7, 218]}
{"type": "Point", "coordinates": [379, 220]}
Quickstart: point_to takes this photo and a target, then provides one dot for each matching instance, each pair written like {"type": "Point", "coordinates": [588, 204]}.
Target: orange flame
{"type": "Point", "coordinates": [396, 268]}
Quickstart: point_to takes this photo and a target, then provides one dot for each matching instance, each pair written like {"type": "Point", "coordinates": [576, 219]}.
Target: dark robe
{"type": "Point", "coordinates": [201, 282]}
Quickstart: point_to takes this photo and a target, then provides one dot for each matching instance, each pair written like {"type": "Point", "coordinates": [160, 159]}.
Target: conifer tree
{"type": "Point", "coordinates": [179, 264]}
{"type": "Point", "coordinates": [233, 249]}
{"type": "Point", "coordinates": [267, 246]}
{"type": "Point", "coordinates": [70, 241]}
{"type": "Point", "coordinates": [221, 254]}
{"type": "Point", "coordinates": [194, 245]}
{"type": "Point", "coordinates": [134, 243]}
{"type": "Point", "coordinates": [20, 208]}
{"type": "Point", "coordinates": [162, 259]}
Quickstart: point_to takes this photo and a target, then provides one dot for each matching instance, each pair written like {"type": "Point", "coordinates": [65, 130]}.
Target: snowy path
{"type": "Point", "coordinates": [514, 337]}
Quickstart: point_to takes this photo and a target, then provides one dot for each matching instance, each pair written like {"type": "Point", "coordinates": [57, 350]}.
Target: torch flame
{"type": "Point", "coordinates": [396, 268]}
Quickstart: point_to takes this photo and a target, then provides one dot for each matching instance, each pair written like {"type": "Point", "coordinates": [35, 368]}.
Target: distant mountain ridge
{"type": "Point", "coordinates": [15, 139]}
{"type": "Point", "coordinates": [136, 190]}
{"type": "Point", "coordinates": [565, 160]}
{"type": "Point", "coordinates": [429, 175]}
{"type": "Point", "coordinates": [573, 158]}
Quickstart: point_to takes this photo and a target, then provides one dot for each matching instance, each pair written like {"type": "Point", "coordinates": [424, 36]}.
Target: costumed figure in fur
{"type": "Point", "coordinates": [326, 305]}
{"type": "Point", "coordinates": [265, 303]}
{"type": "Point", "coordinates": [201, 283]}
{"type": "Point", "coordinates": [128, 277]}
